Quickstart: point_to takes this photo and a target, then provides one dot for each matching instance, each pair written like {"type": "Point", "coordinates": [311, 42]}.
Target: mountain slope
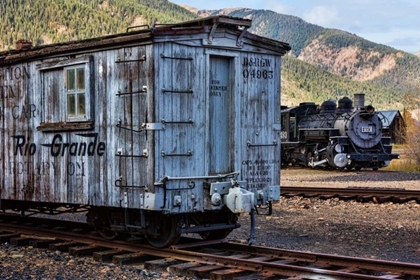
{"type": "Point", "coordinates": [302, 81]}
{"type": "Point", "coordinates": [381, 68]}
{"type": "Point", "coordinates": [52, 21]}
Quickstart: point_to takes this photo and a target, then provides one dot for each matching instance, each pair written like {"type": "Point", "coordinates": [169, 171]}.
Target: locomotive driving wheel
{"type": "Point", "coordinates": [164, 231]}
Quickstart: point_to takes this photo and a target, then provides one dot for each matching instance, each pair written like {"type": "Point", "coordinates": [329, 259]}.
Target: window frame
{"type": "Point", "coordinates": [63, 120]}
{"type": "Point", "coordinates": [76, 92]}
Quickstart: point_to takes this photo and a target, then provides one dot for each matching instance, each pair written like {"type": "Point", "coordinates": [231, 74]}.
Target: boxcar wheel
{"type": "Point", "coordinates": [107, 233]}
{"type": "Point", "coordinates": [103, 227]}
{"type": "Point", "coordinates": [102, 223]}
{"type": "Point", "coordinates": [166, 232]}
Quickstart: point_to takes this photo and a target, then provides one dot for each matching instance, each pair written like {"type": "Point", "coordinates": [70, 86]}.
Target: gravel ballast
{"type": "Point", "coordinates": [379, 231]}
{"type": "Point", "coordinates": [385, 231]}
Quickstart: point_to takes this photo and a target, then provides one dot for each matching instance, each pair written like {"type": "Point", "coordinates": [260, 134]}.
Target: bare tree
{"type": "Point", "coordinates": [411, 115]}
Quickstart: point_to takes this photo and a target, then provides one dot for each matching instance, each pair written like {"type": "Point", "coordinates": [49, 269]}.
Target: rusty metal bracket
{"type": "Point", "coordinates": [213, 30]}
{"type": "Point", "coordinates": [239, 41]}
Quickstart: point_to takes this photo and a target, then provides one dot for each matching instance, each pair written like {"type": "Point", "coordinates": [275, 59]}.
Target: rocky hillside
{"type": "Point", "coordinates": [383, 73]}
{"type": "Point", "coordinates": [347, 61]}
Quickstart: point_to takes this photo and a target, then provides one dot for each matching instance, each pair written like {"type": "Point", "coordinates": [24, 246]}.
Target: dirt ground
{"type": "Point", "coordinates": [380, 231]}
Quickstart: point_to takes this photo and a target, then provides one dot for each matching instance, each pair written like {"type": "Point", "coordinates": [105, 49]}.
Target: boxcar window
{"type": "Point", "coordinates": [75, 92]}
{"type": "Point", "coordinates": [67, 97]}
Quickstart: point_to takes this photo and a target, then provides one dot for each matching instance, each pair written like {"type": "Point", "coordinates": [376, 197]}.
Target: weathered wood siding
{"type": "Point", "coordinates": [133, 108]}
{"type": "Point", "coordinates": [260, 125]}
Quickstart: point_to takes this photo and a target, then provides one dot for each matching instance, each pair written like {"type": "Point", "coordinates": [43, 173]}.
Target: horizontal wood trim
{"type": "Point", "coordinates": [65, 126]}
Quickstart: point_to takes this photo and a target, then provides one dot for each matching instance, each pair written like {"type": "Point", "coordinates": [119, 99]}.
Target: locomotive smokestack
{"type": "Point", "coordinates": [359, 100]}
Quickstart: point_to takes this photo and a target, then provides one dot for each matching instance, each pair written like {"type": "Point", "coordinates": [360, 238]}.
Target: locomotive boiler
{"type": "Point", "coordinates": [155, 132]}
{"type": "Point", "coordinates": [343, 137]}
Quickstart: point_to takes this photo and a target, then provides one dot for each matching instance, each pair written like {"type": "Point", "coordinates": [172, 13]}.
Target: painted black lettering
{"type": "Point", "coordinates": [82, 148]}
{"type": "Point", "coordinates": [80, 168]}
{"type": "Point", "coordinates": [92, 146]}
{"type": "Point", "coordinates": [101, 148]}
{"type": "Point", "coordinates": [15, 112]}
{"type": "Point", "coordinates": [63, 148]}
{"type": "Point", "coordinates": [20, 142]}
{"type": "Point", "coordinates": [73, 149]}
{"type": "Point", "coordinates": [56, 148]}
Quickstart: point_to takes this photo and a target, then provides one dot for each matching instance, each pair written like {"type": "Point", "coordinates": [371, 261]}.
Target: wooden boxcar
{"type": "Point", "coordinates": [158, 131]}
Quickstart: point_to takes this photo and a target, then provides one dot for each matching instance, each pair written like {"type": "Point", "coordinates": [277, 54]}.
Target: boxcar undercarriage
{"type": "Point", "coordinates": [160, 230]}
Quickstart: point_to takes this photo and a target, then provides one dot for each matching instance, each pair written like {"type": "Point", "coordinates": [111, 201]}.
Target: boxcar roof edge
{"type": "Point", "coordinates": [139, 37]}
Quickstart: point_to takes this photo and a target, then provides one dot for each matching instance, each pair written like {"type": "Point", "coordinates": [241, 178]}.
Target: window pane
{"type": "Point", "coordinates": [80, 78]}
{"type": "Point", "coordinates": [71, 105]}
{"type": "Point", "coordinates": [71, 79]}
{"type": "Point", "coordinates": [81, 104]}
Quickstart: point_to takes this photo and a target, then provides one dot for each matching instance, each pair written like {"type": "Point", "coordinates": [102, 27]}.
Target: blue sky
{"type": "Point", "coordinates": [394, 23]}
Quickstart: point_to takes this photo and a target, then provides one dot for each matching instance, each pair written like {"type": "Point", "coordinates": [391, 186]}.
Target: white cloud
{"type": "Point", "coordinates": [277, 7]}
{"type": "Point", "coordinates": [322, 15]}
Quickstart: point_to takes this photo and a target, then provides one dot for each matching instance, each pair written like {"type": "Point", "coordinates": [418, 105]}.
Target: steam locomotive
{"type": "Point", "coordinates": [343, 137]}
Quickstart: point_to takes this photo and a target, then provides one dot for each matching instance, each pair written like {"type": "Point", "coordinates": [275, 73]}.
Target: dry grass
{"type": "Point", "coordinates": [405, 163]}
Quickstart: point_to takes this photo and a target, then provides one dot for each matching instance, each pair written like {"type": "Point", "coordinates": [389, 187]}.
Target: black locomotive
{"type": "Point", "coordinates": [343, 137]}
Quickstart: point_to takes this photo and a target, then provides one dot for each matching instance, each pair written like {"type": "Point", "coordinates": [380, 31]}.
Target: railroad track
{"type": "Point", "coordinates": [217, 259]}
{"type": "Point", "coordinates": [377, 195]}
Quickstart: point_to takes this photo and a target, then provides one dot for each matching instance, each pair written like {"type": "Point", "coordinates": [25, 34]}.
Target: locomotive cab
{"type": "Point", "coordinates": [290, 134]}
{"type": "Point", "coordinates": [290, 118]}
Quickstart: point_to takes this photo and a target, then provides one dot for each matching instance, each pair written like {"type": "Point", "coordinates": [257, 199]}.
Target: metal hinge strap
{"type": "Point", "coordinates": [162, 55]}
{"type": "Point", "coordinates": [177, 91]}
{"type": "Point", "coordinates": [249, 144]}
{"type": "Point", "coordinates": [190, 121]}
{"type": "Point", "coordinates": [188, 154]}
{"type": "Point", "coordinates": [131, 129]}
{"type": "Point", "coordinates": [131, 156]}
{"type": "Point", "coordinates": [144, 90]}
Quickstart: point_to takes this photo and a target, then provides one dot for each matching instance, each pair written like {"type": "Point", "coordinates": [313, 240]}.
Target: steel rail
{"type": "Point", "coordinates": [351, 191]}
{"type": "Point", "coordinates": [267, 261]}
